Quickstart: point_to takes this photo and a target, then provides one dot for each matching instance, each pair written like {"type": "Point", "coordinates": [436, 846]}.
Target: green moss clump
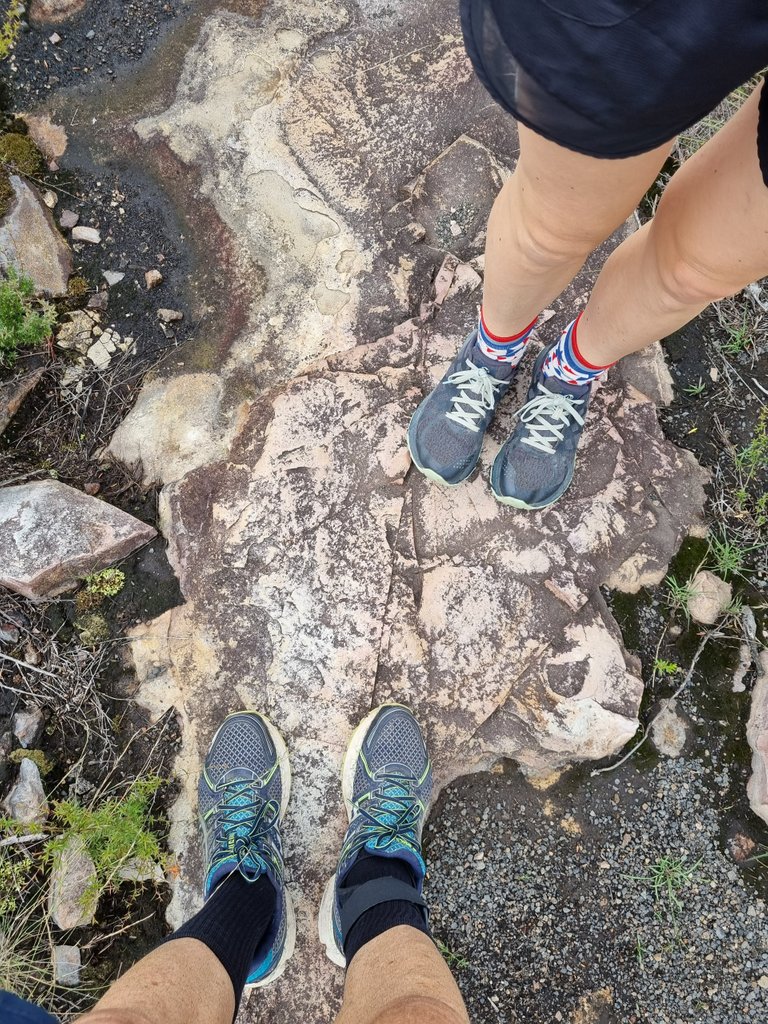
{"type": "Point", "coordinates": [6, 193]}
{"type": "Point", "coordinates": [93, 629]}
{"type": "Point", "coordinates": [19, 153]}
{"type": "Point", "coordinates": [78, 287]}
{"type": "Point", "coordinates": [44, 764]}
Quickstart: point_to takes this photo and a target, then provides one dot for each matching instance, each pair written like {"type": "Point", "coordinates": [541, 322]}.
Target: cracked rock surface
{"type": "Point", "coordinates": [348, 150]}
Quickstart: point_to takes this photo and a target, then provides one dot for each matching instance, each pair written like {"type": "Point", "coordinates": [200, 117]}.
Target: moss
{"type": "Point", "coordinates": [6, 193]}
{"type": "Point", "coordinates": [44, 765]}
{"type": "Point", "coordinates": [93, 629]}
{"type": "Point", "coordinates": [78, 287]}
{"type": "Point", "coordinates": [21, 154]}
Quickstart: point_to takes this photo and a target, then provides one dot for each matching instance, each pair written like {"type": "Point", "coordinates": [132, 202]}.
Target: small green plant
{"type": "Point", "coordinates": [10, 27]}
{"type": "Point", "coordinates": [668, 876]}
{"type": "Point", "coordinates": [694, 390]}
{"type": "Point", "coordinates": [726, 557]}
{"type": "Point", "coordinates": [93, 629]}
{"type": "Point", "coordinates": [114, 832]}
{"type": "Point", "coordinates": [754, 457]}
{"type": "Point", "coordinates": [13, 876]}
{"type": "Point", "coordinates": [105, 583]}
{"type": "Point", "coordinates": [640, 951]}
{"type": "Point", "coordinates": [740, 334]}
{"type": "Point", "coordinates": [24, 322]}
{"type": "Point", "coordinates": [665, 668]}
{"type": "Point", "coordinates": [679, 595]}
{"type": "Point", "coordinates": [451, 958]}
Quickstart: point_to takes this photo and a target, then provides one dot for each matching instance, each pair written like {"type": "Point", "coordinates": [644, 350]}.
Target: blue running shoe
{"type": "Point", "coordinates": [535, 466]}
{"type": "Point", "coordinates": [387, 786]}
{"type": "Point", "coordinates": [243, 793]}
{"type": "Point", "coordinates": [445, 436]}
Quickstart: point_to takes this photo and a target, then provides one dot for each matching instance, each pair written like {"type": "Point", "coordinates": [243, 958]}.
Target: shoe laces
{"type": "Point", "coordinates": [478, 382]}
{"type": "Point", "coordinates": [390, 813]}
{"type": "Point", "coordinates": [546, 416]}
{"type": "Point", "coordinates": [243, 821]}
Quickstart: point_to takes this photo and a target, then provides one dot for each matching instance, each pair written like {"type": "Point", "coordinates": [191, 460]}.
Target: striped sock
{"type": "Point", "coordinates": [567, 364]}
{"type": "Point", "coordinates": [503, 350]}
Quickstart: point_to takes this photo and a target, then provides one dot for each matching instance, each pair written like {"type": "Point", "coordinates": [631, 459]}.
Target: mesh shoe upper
{"type": "Point", "coordinates": [446, 433]}
{"type": "Point", "coordinates": [536, 464]}
{"type": "Point", "coordinates": [241, 798]}
{"type": "Point", "coordinates": [390, 796]}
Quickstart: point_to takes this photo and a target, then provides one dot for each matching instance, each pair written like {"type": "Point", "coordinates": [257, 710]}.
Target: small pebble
{"type": "Point", "coordinates": [167, 316]}
{"type": "Point", "coordinates": [69, 218]}
{"type": "Point", "coordinates": [153, 278]}
{"type": "Point", "coordinates": [85, 234]}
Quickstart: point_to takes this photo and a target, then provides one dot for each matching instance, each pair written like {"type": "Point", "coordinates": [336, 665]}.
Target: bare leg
{"type": "Point", "coordinates": [708, 239]}
{"type": "Point", "coordinates": [554, 210]}
{"type": "Point", "coordinates": [181, 982]}
{"type": "Point", "coordinates": [379, 990]}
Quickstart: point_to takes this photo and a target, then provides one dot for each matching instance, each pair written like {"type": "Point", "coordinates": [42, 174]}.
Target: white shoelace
{"type": "Point", "coordinates": [468, 411]}
{"type": "Point", "coordinates": [545, 416]}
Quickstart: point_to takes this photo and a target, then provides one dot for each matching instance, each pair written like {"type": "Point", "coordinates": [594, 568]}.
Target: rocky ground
{"type": "Point", "coordinates": [312, 168]}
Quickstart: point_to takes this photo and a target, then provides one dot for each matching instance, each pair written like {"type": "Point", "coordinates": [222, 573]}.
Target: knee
{"type": "Point", "coordinates": [543, 245]}
{"type": "Point", "coordinates": [420, 1010]}
{"type": "Point", "coordinates": [687, 282]}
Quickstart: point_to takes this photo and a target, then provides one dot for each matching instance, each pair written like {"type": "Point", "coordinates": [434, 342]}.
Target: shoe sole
{"type": "Point", "coordinates": [283, 759]}
{"type": "Point", "coordinates": [519, 503]}
{"type": "Point", "coordinates": [348, 770]}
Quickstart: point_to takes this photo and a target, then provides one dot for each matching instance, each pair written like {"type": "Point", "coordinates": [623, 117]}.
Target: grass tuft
{"type": "Point", "coordinates": [24, 321]}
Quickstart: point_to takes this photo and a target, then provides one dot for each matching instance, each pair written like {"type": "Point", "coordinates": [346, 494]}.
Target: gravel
{"type": "Point", "coordinates": [547, 897]}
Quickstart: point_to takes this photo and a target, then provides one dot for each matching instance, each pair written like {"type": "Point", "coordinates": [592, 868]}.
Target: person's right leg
{"type": "Point", "coordinates": [553, 211]}
{"type": "Point", "coordinates": [373, 917]}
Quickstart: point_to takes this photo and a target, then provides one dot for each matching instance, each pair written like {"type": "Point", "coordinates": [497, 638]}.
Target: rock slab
{"type": "Point", "coordinates": [31, 242]}
{"type": "Point", "coordinates": [26, 803]}
{"type": "Point", "coordinates": [73, 894]}
{"type": "Point", "coordinates": [66, 965]}
{"type": "Point", "coordinates": [757, 737]}
{"type": "Point", "coordinates": [52, 535]}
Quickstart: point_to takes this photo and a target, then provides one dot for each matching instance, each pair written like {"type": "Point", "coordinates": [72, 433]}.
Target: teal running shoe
{"type": "Point", "coordinates": [445, 435]}
{"type": "Point", "coordinates": [243, 793]}
{"type": "Point", "coordinates": [387, 786]}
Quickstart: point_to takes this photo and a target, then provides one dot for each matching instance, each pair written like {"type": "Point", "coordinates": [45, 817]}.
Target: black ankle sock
{"type": "Point", "coordinates": [386, 915]}
{"type": "Point", "coordinates": [232, 924]}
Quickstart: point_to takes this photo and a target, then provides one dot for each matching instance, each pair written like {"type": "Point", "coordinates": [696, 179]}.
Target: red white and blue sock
{"type": "Point", "coordinates": [503, 350]}
{"type": "Point", "coordinates": [567, 364]}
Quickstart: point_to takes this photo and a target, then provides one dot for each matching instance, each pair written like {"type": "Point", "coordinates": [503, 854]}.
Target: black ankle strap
{"type": "Point", "coordinates": [363, 897]}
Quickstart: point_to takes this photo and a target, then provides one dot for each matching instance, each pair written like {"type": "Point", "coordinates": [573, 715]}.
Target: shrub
{"type": "Point", "coordinates": [24, 322]}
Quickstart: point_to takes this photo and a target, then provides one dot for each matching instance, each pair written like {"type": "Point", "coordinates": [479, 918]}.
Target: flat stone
{"type": "Point", "coordinates": [169, 316]}
{"type": "Point", "coordinates": [76, 332]}
{"type": "Point", "coordinates": [82, 233]}
{"type": "Point", "coordinates": [99, 301]}
{"type": "Point", "coordinates": [52, 535]}
{"type": "Point", "coordinates": [13, 393]}
{"type": "Point", "coordinates": [68, 218]}
{"type": "Point", "coordinates": [31, 242]}
{"type": "Point", "coordinates": [757, 737]}
{"type": "Point", "coordinates": [50, 198]}
{"type": "Point", "coordinates": [711, 596]}
{"type": "Point", "coordinates": [54, 12]}
{"type": "Point", "coordinates": [141, 870]}
{"type": "Point", "coordinates": [26, 802]}
{"type": "Point", "coordinates": [66, 965]}
{"type": "Point", "coordinates": [112, 277]}
{"type": "Point", "coordinates": [73, 894]}
{"type": "Point", "coordinates": [50, 138]}
{"type": "Point", "coordinates": [27, 726]}
{"type": "Point", "coordinates": [669, 729]}
{"type": "Point", "coordinates": [179, 411]}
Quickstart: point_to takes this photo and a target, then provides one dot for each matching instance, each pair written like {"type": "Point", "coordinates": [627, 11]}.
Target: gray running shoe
{"type": "Point", "coordinates": [535, 467]}
{"type": "Point", "coordinates": [446, 432]}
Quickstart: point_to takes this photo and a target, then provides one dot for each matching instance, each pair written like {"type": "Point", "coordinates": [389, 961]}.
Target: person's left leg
{"type": "Point", "coordinates": [245, 932]}
{"type": "Point", "coordinates": [373, 917]}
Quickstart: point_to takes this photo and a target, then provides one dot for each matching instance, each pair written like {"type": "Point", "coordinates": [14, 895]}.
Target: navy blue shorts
{"type": "Point", "coordinates": [615, 78]}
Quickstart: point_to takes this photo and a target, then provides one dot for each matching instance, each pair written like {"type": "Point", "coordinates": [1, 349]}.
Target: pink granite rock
{"type": "Point", "coordinates": [52, 535]}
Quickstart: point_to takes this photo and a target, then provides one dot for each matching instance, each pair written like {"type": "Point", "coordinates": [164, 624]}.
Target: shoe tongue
{"type": "Point", "coordinates": [560, 387]}
{"type": "Point", "coordinates": [399, 851]}
{"type": "Point", "coordinates": [496, 368]}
